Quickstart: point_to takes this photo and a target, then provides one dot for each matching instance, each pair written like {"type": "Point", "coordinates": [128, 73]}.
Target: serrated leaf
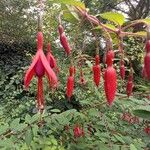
{"type": "Point", "coordinates": [69, 2]}
{"type": "Point", "coordinates": [14, 123]}
{"type": "Point", "coordinates": [28, 119]}
{"type": "Point", "coordinates": [114, 17]}
{"type": "Point", "coordinates": [62, 120]}
{"type": "Point", "coordinates": [34, 118]}
{"type": "Point", "coordinates": [20, 127]}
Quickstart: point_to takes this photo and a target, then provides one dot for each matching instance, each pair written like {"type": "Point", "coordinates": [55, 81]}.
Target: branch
{"type": "Point", "coordinates": [132, 34]}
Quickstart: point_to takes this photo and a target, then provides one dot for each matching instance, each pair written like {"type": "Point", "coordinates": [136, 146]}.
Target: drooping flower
{"type": "Point", "coordinates": [144, 74]}
{"type": "Point", "coordinates": [110, 78]}
{"type": "Point", "coordinates": [50, 57]}
{"type": "Point", "coordinates": [147, 59]}
{"type": "Point", "coordinates": [64, 40]}
{"type": "Point", "coordinates": [78, 131]}
{"type": "Point", "coordinates": [147, 64]}
{"type": "Point", "coordinates": [70, 86]}
{"type": "Point", "coordinates": [39, 67]}
{"type": "Point", "coordinates": [130, 85]}
{"type": "Point", "coordinates": [147, 130]}
{"type": "Point", "coordinates": [96, 71]}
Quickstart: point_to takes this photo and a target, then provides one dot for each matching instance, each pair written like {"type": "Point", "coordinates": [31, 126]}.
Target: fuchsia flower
{"type": "Point", "coordinates": [50, 57]}
{"type": "Point", "coordinates": [39, 68]}
{"type": "Point", "coordinates": [78, 131]}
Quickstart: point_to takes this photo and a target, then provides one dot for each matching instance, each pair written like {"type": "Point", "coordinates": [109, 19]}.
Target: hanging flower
{"type": "Point", "coordinates": [96, 71]}
{"type": "Point", "coordinates": [110, 78]}
{"type": "Point", "coordinates": [39, 68]}
{"type": "Point", "coordinates": [78, 131]}
{"type": "Point", "coordinates": [64, 40]}
{"type": "Point", "coordinates": [130, 85]}
{"type": "Point", "coordinates": [50, 57]}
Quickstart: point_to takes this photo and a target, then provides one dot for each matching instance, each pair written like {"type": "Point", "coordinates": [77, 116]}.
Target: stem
{"type": "Point", "coordinates": [132, 34]}
{"type": "Point", "coordinates": [133, 24]}
{"type": "Point", "coordinates": [148, 32]}
{"type": "Point", "coordinates": [96, 40]}
{"type": "Point", "coordinates": [40, 20]}
{"type": "Point", "coordinates": [40, 97]}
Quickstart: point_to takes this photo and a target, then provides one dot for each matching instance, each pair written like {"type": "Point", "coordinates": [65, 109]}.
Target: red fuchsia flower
{"type": "Point", "coordinates": [39, 68]}
{"type": "Point", "coordinates": [147, 59]}
{"type": "Point", "coordinates": [50, 57]}
{"type": "Point", "coordinates": [78, 131]}
{"type": "Point", "coordinates": [144, 74]}
{"type": "Point", "coordinates": [110, 78]}
{"type": "Point", "coordinates": [130, 85]}
{"type": "Point", "coordinates": [70, 82]}
{"type": "Point", "coordinates": [63, 40]}
{"type": "Point", "coordinates": [147, 130]}
{"type": "Point", "coordinates": [70, 86]}
{"type": "Point", "coordinates": [96, 71]}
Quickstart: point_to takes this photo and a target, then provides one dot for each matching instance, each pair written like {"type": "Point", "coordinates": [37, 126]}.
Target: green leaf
{"type": "Point", "coordinates": [35, 129]}
{"type": "Point", "coordinates": [20, 127]}
{"type": "Point", "coordinates": [14, 123]}
{"type": "Point", "coordinates": [28, 119]}
{"type": "Point", "coordinates": [55, 110]}
{"type": "Point", "coordinates": [114, 17]}
{"type": "Point", "coordinates": [4, 128]}
{"type": "Point", "coordinates": [103, 146]}
{"type": "Point", "coordinates": [70, 15]}
{"type": "Point", "coordinates": [28, 136]}
{"type": "Point", "coordinates": [132, 147]}
{"type": "Point", "coordinates": [69, 2]}
{"type": "Point", "coordinates": [119, 138]}
{"type": "Point", "coordinates": [142, 113]}
{"type": "Point", "coordinates": [93, 112]}
{"type": "Point", "coordinates": [7, 143]}
{"type": "Point", "coordinates": [34, 118]}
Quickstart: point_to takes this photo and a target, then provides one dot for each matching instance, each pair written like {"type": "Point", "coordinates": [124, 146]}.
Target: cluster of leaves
{"type": "Point", "coordinates": [23, 128]}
